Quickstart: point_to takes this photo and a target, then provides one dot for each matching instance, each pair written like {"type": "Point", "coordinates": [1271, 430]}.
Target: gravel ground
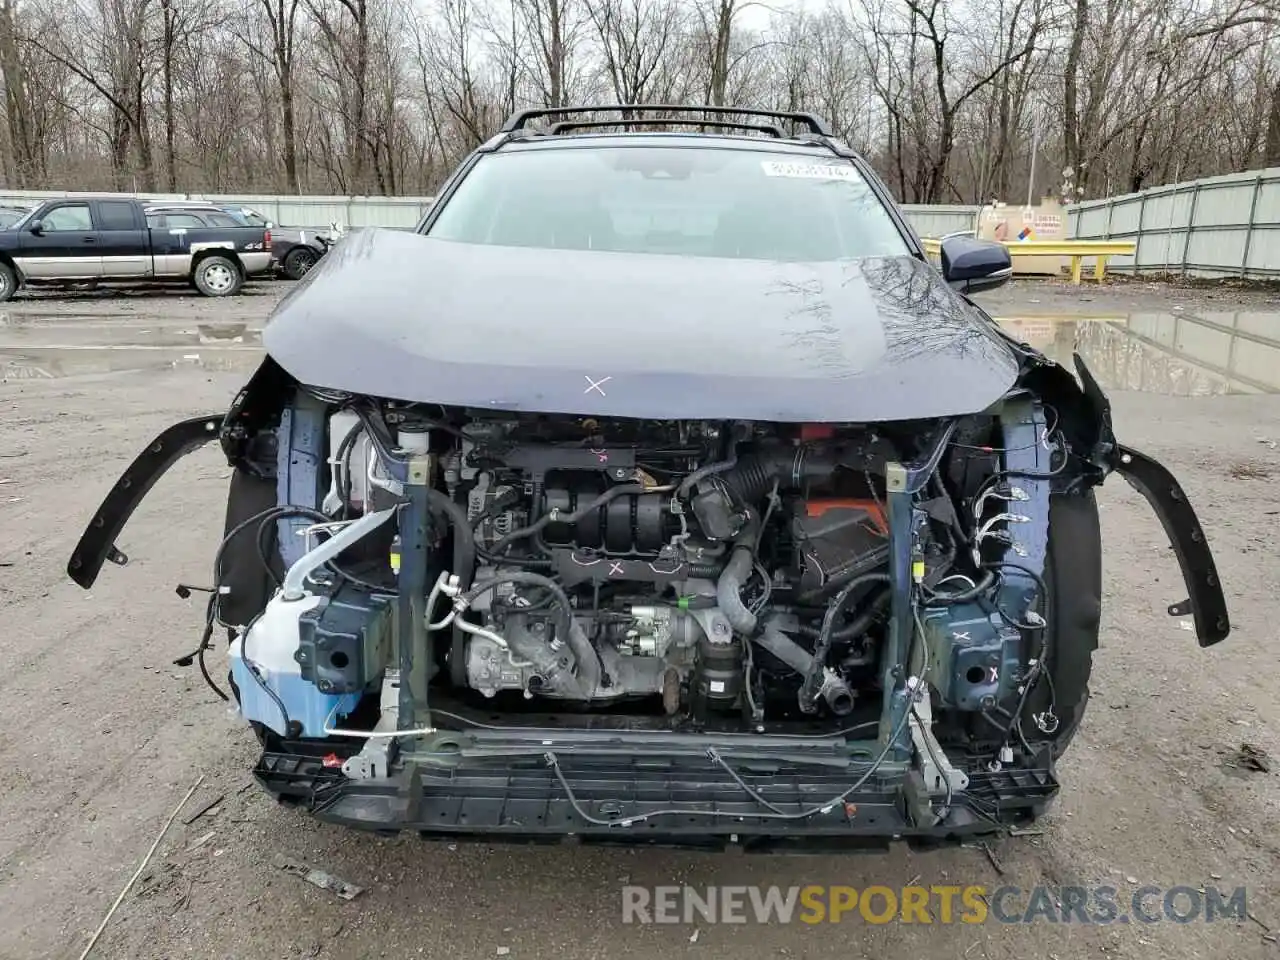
{"type": "Point", "coordinates": [105, 735]}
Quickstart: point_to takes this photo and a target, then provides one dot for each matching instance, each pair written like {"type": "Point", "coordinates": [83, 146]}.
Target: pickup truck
{"type": "Point", "coordinates": [109, 240]}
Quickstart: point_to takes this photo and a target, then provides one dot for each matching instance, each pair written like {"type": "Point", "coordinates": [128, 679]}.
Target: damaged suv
{"type": "Point", "coordinates": [659, 488]}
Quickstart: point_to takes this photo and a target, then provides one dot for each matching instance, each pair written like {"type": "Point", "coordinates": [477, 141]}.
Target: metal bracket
{"type": "Point", "coordinates": [373, 762]}
{"type": "Point", "coordinates": [936, 774]}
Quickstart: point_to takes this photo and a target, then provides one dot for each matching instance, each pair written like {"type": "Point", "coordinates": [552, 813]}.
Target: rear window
{"type": "Point", "coordinates": [250, 217]}
{"type": "Point", "coordinates": [668, 200]}
{"type": "Point", "coordinates": [223, 220]}
{"type": "Point", "coordinates": [116, 215]}
{"type": "Point", "coordinates": [176, 221]}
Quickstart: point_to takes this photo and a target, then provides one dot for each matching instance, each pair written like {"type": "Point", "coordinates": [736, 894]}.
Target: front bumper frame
{"type": "Point", "coordinates": [523, 798]}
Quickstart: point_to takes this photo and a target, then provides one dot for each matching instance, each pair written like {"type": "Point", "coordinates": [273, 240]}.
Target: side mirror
{"type": "Point", "coordinates": [970, 265]}
{"type": "Point", "coordinates": [36, 227]}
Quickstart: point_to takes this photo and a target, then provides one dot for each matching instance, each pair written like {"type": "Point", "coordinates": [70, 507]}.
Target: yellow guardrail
{"type": "Point", "coordinates": [1076, 250]}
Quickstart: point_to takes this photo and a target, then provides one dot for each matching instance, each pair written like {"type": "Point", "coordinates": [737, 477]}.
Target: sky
{"type": "Point", "coordinates": [754, 15]}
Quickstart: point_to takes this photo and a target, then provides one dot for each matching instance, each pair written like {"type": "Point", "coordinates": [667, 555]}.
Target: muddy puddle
{"type": "Point", "coordinates": [1179, 354]}
{"type": "Point", "coordinates": [59, 362]}
{"type": "Point", "coordinates": [66, 348]}
{"type": "Point", "coordinates": [1175, 353]}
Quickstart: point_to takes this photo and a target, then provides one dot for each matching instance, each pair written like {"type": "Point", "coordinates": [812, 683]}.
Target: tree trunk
{"type": "Point", "coordinates": [20, 141]}
{"type": "Point", "coordinates": [287, 122]}
{"type": "Point", "coordinates": [1070, 92]}
{"type": "Point", "coordinates": [170, 17]}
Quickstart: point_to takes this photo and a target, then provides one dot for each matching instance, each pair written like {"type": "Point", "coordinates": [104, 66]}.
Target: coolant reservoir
{"type": "Point", "coordinates": [270, 644]}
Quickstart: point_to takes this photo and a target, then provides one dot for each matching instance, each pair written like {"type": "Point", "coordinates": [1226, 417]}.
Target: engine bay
{"type": "Point", "coordinates": [443, 617]}
{"type": "Point", "coordinates": [674, 575]}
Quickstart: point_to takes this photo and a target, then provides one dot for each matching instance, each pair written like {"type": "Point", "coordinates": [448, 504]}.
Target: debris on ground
{"type": "Point", "coordinates": [142, 866]}
{"type": "Point", "coordinates": [986, 848]}
{"type": "Point", "coordinates": [1249, 757]}
{"type": "Point", "coordinates": [318, 878]}
{"type": "Point", "coordinates": [210, 808]}
{"type": "Point", "coordinates": [201, 842]}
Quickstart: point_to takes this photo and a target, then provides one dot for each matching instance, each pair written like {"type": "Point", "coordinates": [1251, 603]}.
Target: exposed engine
{"type": "Point", "coordinates": [695, 570]}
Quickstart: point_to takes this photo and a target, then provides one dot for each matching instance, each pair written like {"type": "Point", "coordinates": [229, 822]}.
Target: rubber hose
{"type": "Point", "coordinates": [754, 475]}
{"type": "Point", "coordinates": [834, 690]}
{"type": "Point", "coordinates": [813, 680]}
{"type": "Point", "coordinates": [703, 571]}
{"type": "Point", "coordinates": [735, 574]}
{"type": "Point", "coordinates": [985, 583]}
{"type": "Point", "coordinates": [464, 540]}
{"type": "Point", "coordinates": [859, 624]}
{"type": "Point", "coordinates": [688, 483]}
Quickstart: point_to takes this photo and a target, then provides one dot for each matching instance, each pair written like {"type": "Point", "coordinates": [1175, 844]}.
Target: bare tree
{"type": "Point", "coordinates": [944, 97]}
{"type": "Point", "coordinates": [636, 39]}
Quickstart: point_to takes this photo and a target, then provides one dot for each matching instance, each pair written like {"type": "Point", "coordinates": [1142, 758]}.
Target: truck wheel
{"type": "Point", "coordinates": [8, 282]}
{"type": "Point", "coordinates": [218, 277]}
{"type": "Point", "coordinates": [298, 262]}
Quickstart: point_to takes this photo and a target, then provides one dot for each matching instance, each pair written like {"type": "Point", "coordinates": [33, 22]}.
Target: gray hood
{"type": "Point", "coordinates": [407, 317]}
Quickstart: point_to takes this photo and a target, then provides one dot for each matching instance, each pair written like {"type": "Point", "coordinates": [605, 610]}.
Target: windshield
{"type": "Point", "coordinates": [693, 202]}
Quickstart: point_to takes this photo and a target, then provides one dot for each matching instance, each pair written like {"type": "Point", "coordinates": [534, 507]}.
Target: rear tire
{"type": "Point", "coordinates": [218, 277]}
{"type": "Point", "coordinates": [299, 261]}
{"type": "Point", "coordinates": [8, 282]}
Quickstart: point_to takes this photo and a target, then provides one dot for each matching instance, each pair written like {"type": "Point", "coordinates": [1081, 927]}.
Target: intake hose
{"type": "Point", "coordinates": [812, 687]}
{"type": "Point", "coordinates": [831, 688]}
{"type": "Point", "coordinates": [735, 575]}
{"type": "Point", "coordinates": [752, 478]}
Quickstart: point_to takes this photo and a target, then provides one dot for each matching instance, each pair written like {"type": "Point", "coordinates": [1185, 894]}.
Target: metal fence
{"type": "Point", "coordinates": [937, 220]}
{"type": "Point", "coordinates": [1222, 226]}
{"type": "Point", "coordinates": [1218, 227]}
{"type": "Point", "coordinates": [405, 212]}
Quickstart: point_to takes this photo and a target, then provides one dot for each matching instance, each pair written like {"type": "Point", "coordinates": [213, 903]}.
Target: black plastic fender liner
{"type": "Point", "coordinates": [98, 542]}
{"type": "Point", "coordinates": [1205, 602]}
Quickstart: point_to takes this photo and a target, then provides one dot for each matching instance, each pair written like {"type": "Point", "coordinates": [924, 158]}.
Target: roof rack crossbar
{"type": "Point", "coordinates": [519, 120]}
{"type": "Point", "coordinates": [566, 125]}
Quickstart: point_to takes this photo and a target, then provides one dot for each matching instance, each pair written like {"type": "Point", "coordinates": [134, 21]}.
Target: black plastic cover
{"type": "Point", "coordinates": [346, 641]}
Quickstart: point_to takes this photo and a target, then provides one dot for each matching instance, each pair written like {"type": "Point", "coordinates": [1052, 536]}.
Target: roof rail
{"type": "Point", "coordinates": [519, 120]}
{"type": "Point", "coordinates": [566, 125]}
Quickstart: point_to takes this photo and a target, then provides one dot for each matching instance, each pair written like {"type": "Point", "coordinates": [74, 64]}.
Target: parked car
{"type": "Point", "coordinates": [294, 250]}
{"type": "Point", "coordinates": [113, 240]}
{"type": "Point", "coordinates": [660, 489]}
{"type": "Point", "coordinates": [9, 215]}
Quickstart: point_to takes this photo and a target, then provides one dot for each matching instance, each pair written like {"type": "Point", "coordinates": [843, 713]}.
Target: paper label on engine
{"type": "Point", "coordinates": [808, 171]}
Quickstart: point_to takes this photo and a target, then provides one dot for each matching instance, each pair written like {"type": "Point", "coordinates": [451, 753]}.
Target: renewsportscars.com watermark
{"type": "Point", "coordinates": [815, 904]}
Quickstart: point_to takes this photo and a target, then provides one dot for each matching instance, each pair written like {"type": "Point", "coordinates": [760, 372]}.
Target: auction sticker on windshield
{"type": "Point", "coordinates": [808, 171]}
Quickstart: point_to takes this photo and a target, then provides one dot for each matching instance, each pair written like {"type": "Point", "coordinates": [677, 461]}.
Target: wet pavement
{"type": "Point", "coordinates": [111, 734]}
{"type": "Point", "coordinates": [1179, 354]}
{"type": "Point", "coordinates": [1176, 352]}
